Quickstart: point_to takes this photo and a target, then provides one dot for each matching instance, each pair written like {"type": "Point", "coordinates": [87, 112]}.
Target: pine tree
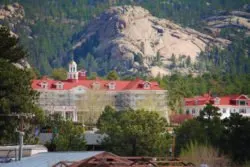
{"type": "Point", "coordinates": [16, 94]}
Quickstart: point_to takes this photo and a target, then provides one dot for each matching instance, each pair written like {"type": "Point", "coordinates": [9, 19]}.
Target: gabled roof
{"type": "Point", "coordinates": [104, 159]}
{"type": "Point", "coordinates": [198, 100]}
{"type": "Point", "coordinates": [120, 85]}
{"type": "Point", "coordinates": [223, 100]}
{"type": "Point", "coordinates": [240, 97]}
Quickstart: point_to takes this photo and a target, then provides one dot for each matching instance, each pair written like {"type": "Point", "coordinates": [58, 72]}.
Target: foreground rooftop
{"type": "Point", "coordinates": [50, 158]}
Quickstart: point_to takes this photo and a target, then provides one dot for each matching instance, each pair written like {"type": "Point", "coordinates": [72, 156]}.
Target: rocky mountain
{"type": "Point", "coordinates": [232, 19]}
{"type": "Point", "coordinates": [131, 35]}
{"type": "Point", "coordinates": [190, 36]}
{"type": "Point", "coordinates": [12, 15]}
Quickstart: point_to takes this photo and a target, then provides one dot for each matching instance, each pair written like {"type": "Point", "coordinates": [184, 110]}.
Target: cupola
{"type": "Point", "coordinates": [73, 73]}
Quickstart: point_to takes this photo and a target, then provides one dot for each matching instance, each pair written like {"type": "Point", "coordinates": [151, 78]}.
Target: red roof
{"type": "Point", "coordinates": [198, 100]}
{"type": "Point", "coordinates": [224, 100]}
{"type": "Point", "coordinates": [180, 118]}
{"type": "Point", "coordinates": [137, 84]}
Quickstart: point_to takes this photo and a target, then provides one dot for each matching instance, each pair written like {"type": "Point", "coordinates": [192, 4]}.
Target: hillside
{"type": "Point", "coordinates": [49, 30]}
{"type": "Point", "coordinates": [130, 39]}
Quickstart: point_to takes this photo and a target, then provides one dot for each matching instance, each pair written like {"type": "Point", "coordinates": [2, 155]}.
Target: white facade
{"type": "Point", "coordinates": [225, 110]}
{"type": "Point", "coordinates": [227, 105]}
{"type": "Point", "coordinates": [63, 97]}
{"type": "Point", "coordinates": [58, 101]}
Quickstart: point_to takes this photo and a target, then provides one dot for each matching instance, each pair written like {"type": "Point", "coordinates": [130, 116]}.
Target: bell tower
{"type": "Point", "coordinates": [72, 73]}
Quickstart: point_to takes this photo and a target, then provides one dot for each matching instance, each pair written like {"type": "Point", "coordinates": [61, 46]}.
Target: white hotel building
{"type": "Point", "coordinates": [227, 104]}
{"type": "Point", "coordinates": [63, 96]}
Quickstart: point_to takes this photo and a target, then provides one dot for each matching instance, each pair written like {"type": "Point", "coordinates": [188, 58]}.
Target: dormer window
{"type": "Point", "coordinates": [96, 85]}
{"type": "Point", "coordinates": [44, 85]}
{"type": "Point", "coordinates": [111, 85]}
{"type": "Point", "coordinates": [146, 85]}
{"type": "Point", "coordinates": [217, 101]}
{"type": "Point", "coordinates": [82, 73]}
{"type": "Point", "coordinates": [59, 85]}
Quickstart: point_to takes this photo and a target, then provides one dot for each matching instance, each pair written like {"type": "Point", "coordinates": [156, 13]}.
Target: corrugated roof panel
{"type": "Point", "coordinates": [49, 159]}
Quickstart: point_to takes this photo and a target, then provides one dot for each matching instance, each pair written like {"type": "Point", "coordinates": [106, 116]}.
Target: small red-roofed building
{"type": "Point", "coordinates": [227, 104]}
{"type": "Point", "coordinates": [178, 119]}
{"type": "Point", "coordinates": [64, 96]}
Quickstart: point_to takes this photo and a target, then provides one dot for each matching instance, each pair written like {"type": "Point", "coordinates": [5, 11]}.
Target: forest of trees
{"type": "Point", "coordinates": [134, 133]}
{"type": "Point", "coordinates": [230, 136]}
{"type": "Point", "coordinates": [55, 24]}
{"type": "Point", "coordinates": [180, 86]}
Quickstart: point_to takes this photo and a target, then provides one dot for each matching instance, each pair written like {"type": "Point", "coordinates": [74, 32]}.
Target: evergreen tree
{"type": "Point", "coordinates": [59, 74]}
{"type": "Point", "coordinates": [16, 94]}
{"type": "Point", "coordinates": [67, 136]}
{"type": "Point", "coordinates": [112, 75]}
{"type": "Point", "coordinates": [134, 133]}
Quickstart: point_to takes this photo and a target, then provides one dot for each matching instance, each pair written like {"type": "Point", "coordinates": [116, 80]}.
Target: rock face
{"type": "Point", "coordinates": [237, 19]}
{"type": "Point", "coordinates": [11, 11]}
{"type": "Point", "coordinates": [127, 31]}
{"type": "Point", "coordinates": [12, 15]}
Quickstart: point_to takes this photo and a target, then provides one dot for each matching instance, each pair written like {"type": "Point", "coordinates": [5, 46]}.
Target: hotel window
{"type": "Point", "coordinates": [69, 115]}
{"type": "Point", "coordinates": [61, 95]}
{"type": "Point", "coordinates": [242, 102]}
{"type": "Point", "coordinates": [224, 110]}
{"type": "Point", "coordinates": [79, 96]}
{"type": "Point", "coordinates": [232, 110]}
{"type": "Point", "coordinates": [193, 111]}
{"type": "Point", "coordinates": [243, 110]}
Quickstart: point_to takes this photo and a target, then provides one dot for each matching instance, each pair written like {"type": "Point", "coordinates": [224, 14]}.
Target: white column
{"type": "Point", "coordinates": [64, 115]}
{"type": "Point", "coordinates": [74, 116]}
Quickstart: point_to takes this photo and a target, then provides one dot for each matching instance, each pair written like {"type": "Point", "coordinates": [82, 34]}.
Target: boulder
{"type": "Point", "coordinates": [125, 31]}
